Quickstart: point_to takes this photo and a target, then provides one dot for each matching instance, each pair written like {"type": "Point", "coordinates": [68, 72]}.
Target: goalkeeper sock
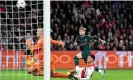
{"type": "Point", "coordinates": [60, 75]}
{"type": "Point", "coordinates": [76, 60]}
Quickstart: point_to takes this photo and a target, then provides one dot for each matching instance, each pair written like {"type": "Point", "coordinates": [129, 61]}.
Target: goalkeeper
{"type": "Point", "coordinates": [36, 68]}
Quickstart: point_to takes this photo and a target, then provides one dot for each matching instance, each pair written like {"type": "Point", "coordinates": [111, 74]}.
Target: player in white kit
{"type": "Point", "coordinates": [85, 73]}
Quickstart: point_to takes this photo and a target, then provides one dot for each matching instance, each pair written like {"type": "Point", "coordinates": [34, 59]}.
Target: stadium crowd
{"type": "Point", "coordinates": [16, 23]}
{"type": "Point", "coordinates": [111, 21]}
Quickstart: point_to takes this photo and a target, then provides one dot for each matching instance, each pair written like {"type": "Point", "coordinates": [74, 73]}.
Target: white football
{"type": "Point", "coordinates": [21, 4]}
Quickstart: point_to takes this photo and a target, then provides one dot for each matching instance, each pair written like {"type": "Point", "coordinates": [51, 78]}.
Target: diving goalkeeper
{"type": "Point", "coordinates": [36, 68]}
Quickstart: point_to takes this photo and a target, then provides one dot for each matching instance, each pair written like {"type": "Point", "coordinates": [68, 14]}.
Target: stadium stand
{"type": "Point", "coordinates": [109, 20]}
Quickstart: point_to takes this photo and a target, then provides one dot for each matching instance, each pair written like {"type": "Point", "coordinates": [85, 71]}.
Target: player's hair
{"type": "Point", "coordinates": [82, 28]}
{"type": "Point", "coordinates": [28, 32]}
{"type": "Point", "coordinates": [93, 57]}
{"type": "Point", "coordinates": [41, 29]}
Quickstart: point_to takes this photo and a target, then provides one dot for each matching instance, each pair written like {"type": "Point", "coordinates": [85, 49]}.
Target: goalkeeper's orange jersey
{"type": "Point", "coordinates": [39, 46]}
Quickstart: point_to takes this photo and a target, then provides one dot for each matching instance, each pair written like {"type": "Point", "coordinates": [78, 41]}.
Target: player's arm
{"type": "Point", "coordinates": [76, 41]}
{"type": "Point", "coordinates": [88, 74]}
{"type": "Point", "coordinates": [37, 46]}
{"type": "Point", "coordinates": [96, 38]}
{"type": "Point", "coordinates": [57, 42]}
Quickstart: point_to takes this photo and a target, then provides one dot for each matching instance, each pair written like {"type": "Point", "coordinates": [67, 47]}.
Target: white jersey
{"type": "Point", "coordinates": [31, 40]}
{"type": "Point", "coordinates": [84, 73]}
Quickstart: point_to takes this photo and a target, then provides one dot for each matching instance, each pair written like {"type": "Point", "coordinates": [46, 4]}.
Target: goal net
{"type": "Point", "coordinates": [17, 26]}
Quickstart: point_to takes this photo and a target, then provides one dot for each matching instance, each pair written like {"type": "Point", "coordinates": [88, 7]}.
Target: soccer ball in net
{"type": "Point", "coordinates": [21, 4]}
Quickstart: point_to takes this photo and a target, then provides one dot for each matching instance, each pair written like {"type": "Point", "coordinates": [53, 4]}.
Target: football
{"type": "Point", "coordinates": [21, 4]}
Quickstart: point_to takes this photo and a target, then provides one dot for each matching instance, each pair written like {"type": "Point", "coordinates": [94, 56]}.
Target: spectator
{"type": "Point", "coordinates": [103, 21]}
{"type": "Point", "coordinates": [119, 47]}
{"type": "Point", "coordinates": [110, 21]}
{"type": "Point", "coordinates": [111, 46]}
{"type": "Point", "coordinates": [71, 47]}
{"type": "Point", "coordinates": [108, 47]}
{"type": "Point", "coordinates": [123, 48]}
{"type": "Point", "coordinates": [130, 45]}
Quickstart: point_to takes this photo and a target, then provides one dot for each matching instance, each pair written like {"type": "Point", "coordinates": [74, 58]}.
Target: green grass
{"type": "Point", "coordinates": [22, 75]}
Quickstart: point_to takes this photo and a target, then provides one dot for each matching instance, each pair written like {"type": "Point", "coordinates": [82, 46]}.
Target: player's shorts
{"type": "Point", "coordinates": [83, 72]}
{"type": "Point", "coordinates": [28, 52]}
{"type": "Point", "coordinates": [85, 53]}
{"type": "Point", "coordinates": [79, 72]}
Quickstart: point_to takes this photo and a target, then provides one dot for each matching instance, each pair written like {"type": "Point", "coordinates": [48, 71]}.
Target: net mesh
{"type": "Point", "coordinates": [17, 25]}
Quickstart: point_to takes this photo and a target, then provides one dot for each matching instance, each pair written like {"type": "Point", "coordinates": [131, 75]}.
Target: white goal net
{"type": "Point", "coordinates": [17, 25]}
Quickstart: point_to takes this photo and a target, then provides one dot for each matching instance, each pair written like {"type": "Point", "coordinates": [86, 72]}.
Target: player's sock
{"type": "Point", "coordinates": [23, 63]}
{"type": "Point", "coordinates": [97, 69]}
{"type": "Point", "coordinates": [72, 77]}
{"type": "Point", "coordinates": [76, 60]}
{"type": "Point", "coordinates": [100, 71]}
{"type": "Point", "coordinates": [59, 74]}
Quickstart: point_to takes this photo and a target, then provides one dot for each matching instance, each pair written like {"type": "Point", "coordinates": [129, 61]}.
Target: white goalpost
{"type": "Point", "coordinates": [46, 11]}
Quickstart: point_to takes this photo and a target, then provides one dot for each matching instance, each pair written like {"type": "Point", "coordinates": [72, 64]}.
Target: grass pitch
{"type": "Point", "coordinates": [23, 75]}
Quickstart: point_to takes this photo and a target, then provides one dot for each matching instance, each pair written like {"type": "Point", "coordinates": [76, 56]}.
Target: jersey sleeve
{"type": "Point", "coordinates": [93, 37]}
{"type": "Point", "coordinates": [54, 41]}
{"type": "Point", "coordinates": [38, 45]}
{"type": "Point", "coordinates": [77, 39]}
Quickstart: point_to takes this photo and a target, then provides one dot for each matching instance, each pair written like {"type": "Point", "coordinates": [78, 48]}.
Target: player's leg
{"type": "Point", "coordinates": [37, 72]}
{"type": "Point", "coordinates": [40, 68]}
{"type": "Point", "coordinates": [85, 54]}
{"type": "Point", "coordinates": [57, 74]}
{"type": "Point", "coordinates": [76, 59]}
{"type": "Point", "coordinates": [24, 57]}
{"type": "Point", "coordinates": [78, 73]}
{"type": "Point", "coordinates": [31, 68]}
{"type": "Point", "coordinates": [35, 68]}
{"type": "Point", "coordinates": [28, 64]}
{"type": "Point", "coordinates": [23, 62]}
{"type": "Point", "coordinates": [102, 72]}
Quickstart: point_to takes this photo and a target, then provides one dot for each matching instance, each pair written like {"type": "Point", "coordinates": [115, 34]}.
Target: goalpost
{"type": "Point", "coordinates": [46, 18]}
